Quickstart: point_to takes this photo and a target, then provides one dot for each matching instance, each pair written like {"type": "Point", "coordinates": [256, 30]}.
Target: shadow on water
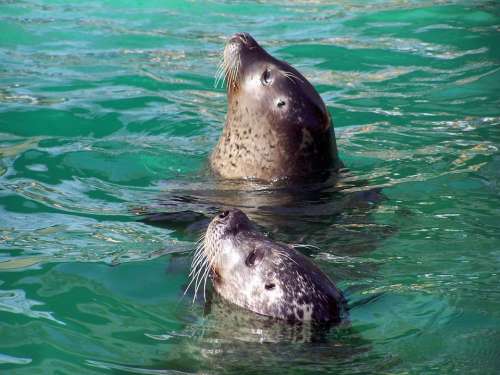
{"type": "Point", "coordinates": [317, 213]}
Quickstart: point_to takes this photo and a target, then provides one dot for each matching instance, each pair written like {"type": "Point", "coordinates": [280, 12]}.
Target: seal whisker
{"type": "Point", "coordinates": [287, 76]}
{"type": "Point", "coordinates": [196, 280]}
{"type": "Point", "coordinates": [195, 267]}
{"type": "Point", "coordinates": [207, 272]}
{"type": "Point", "coordinates": [199, 247]}
{"type": "Point", "coordinates": [200, 241]}
{"type": "Point", "coordinates": [231, 72]}
{"type": "Point", "coordinates": [294, 76]}
{"type": "Point", "coordinates": [232, 63]}
{"type": "Point", "coordinates": [199, 262]}
{"type": "Point", "coordinates": [196, 271]}
{"type": "Point", "coordinates": [199, 265]}
{"type": "Point", "coordinates": [306, 246]}
{"type": "Point", "coordinates": [285, 255]}
{"type": "Point", "coordinates": [197, 258]}
{"type": "Point", "coordinates": [219, 74]}
{"type": "Point", "coordinates": [187, 288]}
{"type": "Point", "coordinates": [200, 280]}
{"type": "Point", "coordinates": [238, 68]}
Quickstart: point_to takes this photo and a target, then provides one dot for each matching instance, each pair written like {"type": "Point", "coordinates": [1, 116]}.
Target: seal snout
{"type": "Point", "coordinates": [244, 38]}
{"type": "Point", "coordinates": [233, 220]}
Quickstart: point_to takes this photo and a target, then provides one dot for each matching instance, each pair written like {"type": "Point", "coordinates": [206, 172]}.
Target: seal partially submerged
{"type": "Point", "coordinates": [263, 276]}
{"type": "Point", "coordinates": [277, 125]}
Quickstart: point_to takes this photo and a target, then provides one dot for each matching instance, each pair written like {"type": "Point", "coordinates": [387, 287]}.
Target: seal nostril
{"type": "Point", "coordinates": [223, 214]}
{"type": "Point", "coordinates": [242, 37]}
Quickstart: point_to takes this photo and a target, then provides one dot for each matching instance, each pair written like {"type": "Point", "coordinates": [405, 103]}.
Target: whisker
{"type": "Point", "coordinates": [285, 255]}
{"type": "Point", "coordinates": [288, 77]}
{"type": "Point", "coordinates": [205, 276]}
{"type": "Point", "coordinates": [199, 266]}
{"type": "Point", "coordinates": [200, 279]}
{"type": "Point", "coordinates": [291, 76]}
{"type": "Point", "coordinates": [306, 246]}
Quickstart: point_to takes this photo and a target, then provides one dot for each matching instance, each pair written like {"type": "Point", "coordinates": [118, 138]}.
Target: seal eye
{"type": "Point", "coordinates": [254, 257]}
{"type": "Point", "coordinates": [223, 214]}
{"type": "Point", "coordinates": [266, 77]}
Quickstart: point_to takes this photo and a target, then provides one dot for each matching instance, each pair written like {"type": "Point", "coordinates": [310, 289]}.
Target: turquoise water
{"type": "Point", "coordinates": [107, 108]}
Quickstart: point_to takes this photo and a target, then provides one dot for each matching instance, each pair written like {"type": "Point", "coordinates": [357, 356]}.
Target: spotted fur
{"type": "Point", "coordinates": [277, 125]}
{"type": "Point", "coordinates": [266, 277]}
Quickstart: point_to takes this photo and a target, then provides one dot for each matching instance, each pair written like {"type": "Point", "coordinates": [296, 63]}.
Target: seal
{"type": "Point", "coordinates": [277, 126]}
{"type": "Point", "coordinates": [263, 276]}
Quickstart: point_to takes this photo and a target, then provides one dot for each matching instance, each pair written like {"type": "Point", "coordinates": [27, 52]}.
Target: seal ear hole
{"type": "Point", "coordinates": [270, 286]}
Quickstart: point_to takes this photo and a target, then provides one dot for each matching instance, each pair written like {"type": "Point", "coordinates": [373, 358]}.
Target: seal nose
{"type": "Point", "coordinates": [223, 214]}
{"type": "Point", "coordinates": [244, 38]}
{"type": "Point", "coordinates": [234, 219]}
{"type": "Point", "coordinates": [231, 214]}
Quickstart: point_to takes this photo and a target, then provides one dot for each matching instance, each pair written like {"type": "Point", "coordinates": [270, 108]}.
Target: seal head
{"type": "Point", "coordinates": [277, 125]}
{"type": "Point", "coordinates": [266, 277]}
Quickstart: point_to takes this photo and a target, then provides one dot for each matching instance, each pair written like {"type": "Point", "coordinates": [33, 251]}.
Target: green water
{"type": "Point", "coordinates": [105, 106]}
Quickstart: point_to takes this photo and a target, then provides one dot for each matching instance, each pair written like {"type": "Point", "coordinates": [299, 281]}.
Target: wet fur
{"type": "Point", "coordinates": [282, 283]}
{"type": "Point", "coordinates": [272, 131]}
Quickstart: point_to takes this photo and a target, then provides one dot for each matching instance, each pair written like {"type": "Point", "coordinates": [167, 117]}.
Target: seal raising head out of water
{"type": "Point", "coordinates": [263, 276]}
{"type": "Point", "coordinates": [277, 125]}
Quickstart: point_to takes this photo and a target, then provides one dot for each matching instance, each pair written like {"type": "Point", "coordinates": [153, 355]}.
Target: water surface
{"type": "Point", "coordinates": [108, 107]}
